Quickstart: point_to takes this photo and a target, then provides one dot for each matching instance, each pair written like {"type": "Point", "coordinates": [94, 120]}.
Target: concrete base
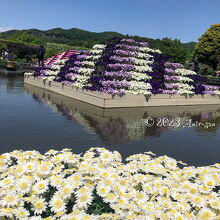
{"type": "Point", "coordinates": [108, 101]}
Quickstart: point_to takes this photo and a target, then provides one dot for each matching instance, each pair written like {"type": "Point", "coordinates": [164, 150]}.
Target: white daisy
{"type": "Point", "coordinates": [22, 213]}
{"type": "Point", "coordinates": [10, 200]}
{"type": "Point", "coordinates": [57, 204]}
{"type": "Point", "coordinates": [6, 212]}
{"type": "Point", "coordinates": [41, 186]}
{"type": "Point", "coordinates": [29, 167]}
{"type": "Point", "coordinates": [23, 185]}
{"type": "Point", "coordinates": [103, 190]}
{"type": "Point", "coordinates": [7, 182]}
{"type": "Point", "coordinates": [206, 214]}
{"type": "Point", "coordinates": [39, 206]}
{"type": "Point", "coordinates": [83, 200]}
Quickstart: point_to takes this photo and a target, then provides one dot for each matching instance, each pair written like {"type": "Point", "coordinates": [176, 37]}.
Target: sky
{"type": "Point", "coordinates": [185, 20]}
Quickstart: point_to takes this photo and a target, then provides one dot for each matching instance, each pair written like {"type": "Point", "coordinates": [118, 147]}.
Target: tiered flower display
{"type": "Point", "coordinates": [177, 79]}
{"type": "Point", "coordinates": [52, 66]}
{"type": "Point", "coordinates": [200, 86]}
{"type": "Point", "coordinates": [124, 66]}
{"type": "Point", "coordinates": [63, 56]}
{"type": "Point", "coordinates": [78, 69]}
{"type": "Point", "coordinates": [158, 74]}
{"type": "Point", "coordinates": [98, 185]}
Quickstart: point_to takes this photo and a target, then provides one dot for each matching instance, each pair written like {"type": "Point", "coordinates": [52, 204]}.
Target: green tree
{"type": "Point", "coordinates": [3, 46]}
{"type": "Point", "coordinates": [23, 37]}
{"type": "Point", "coordinates": [174, 49]}
{"type": "Point", "coordinates": [208, 48]}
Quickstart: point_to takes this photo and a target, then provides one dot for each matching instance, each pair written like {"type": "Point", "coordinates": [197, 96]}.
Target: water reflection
{"type": "Point", "coordinates": [14, 83]}
{"type": "Point", "coordinates": [27, 122]}
{"type": "Point", "coordinates": [124, 125]}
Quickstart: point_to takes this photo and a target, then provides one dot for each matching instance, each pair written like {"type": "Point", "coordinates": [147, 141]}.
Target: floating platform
{"type": "Point", "coordinates": [126, 101]}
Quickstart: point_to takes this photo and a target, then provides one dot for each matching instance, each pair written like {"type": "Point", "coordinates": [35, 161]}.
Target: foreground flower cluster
{"type": "Point", "coordinates": [98, 185]}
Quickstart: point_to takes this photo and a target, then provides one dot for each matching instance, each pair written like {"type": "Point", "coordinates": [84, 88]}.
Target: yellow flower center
{"type": "Point", "coordinates": [22, 214]}
{"type": "Point", "coordinates": [41, 186]}
{"type": "Point", "coordinates": [39, 205]}
{"type": "Point", "coordinates": [58, 204]}
{"type": "Point", "coordinates": [23, 185]}
{"type": "Point", "coordinates": [111, 196]}
{"type": "Point", "coordinates": [83, 198]}
{"type": "Point", "coordinates": [9, 198]}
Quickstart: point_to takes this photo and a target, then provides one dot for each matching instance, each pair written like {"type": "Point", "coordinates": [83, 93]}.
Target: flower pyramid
{"type": "Point", "coordinates": [158, 72]}
{"type": "Point", "coordinates": [176, 79]}
{"type": "Point", "coordinates": [124, 66]}
{"type": "Point", "coordinates": [52, 66]}
{"type": "Point", "coordinates": [62, 56]}
{"type": "Point", "coordinates": [78, 69]}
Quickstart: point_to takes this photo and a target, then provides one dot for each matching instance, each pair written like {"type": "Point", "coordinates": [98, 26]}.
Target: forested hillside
{"type": "Point", "coordinates": [80, 39]}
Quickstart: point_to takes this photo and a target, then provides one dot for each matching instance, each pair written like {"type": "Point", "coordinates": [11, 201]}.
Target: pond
{"type": "Point", "coordinates": [34, 119]}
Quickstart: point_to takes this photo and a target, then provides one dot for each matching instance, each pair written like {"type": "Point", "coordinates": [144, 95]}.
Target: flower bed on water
{"type": "Point", "coordinates": [124, 66]}
{"type": "Point", "coordinates": [98, 185]}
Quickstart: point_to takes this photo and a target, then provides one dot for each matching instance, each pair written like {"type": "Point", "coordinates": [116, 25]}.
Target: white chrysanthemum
{"type": "Point", "coordinates": [66, 191]}
{"type": "Point", "coordinates": [140, 76]}
{"type": "Point", "coordinates": [10, 200]}
{"type": "Point", "coordinates": [22, 213]}
{"type": "Point", "coordinates": [215, 203]}
{"type": "Point", "coordinates": [142, 68]}
{"type": "Point", "coordinates": [44, 168]}
{"type": "Point", "coordinates": [78, 216]}
{"type": "Point", "coordinates": [206, 214]}
{"type": "Point", "coordinates": [6, 212]}
{"type": "Point", "coordinates": [185, 72]}
{"type": "Point", "coordinates": [57, 204]}
{"type": "Point", "coordinates": [70, 158]}
{"type": "Point", "coordinates": [99, 46]}
{"type": "Point", "coordinates": [83, 200]}
{"type": "Point", "coordinates": [75, 180]}
{"type": "Point", "coordinates": [23, 185]}
{"type": "Point", "coordinates": [184, 79]}
{"type": "Point", "coordinates": [93, 57]}
{"type": "Point", "coordinates": [29, 167]}
{"type": "Point", "coordinates": [51, 152]}
{"type": "Point", "coordinates": [143, 55]}
{"type": "Point", "coordinates": [205, 189]}
{"type": "Point", "coordinates": [141, 197]}
{"type": "Point", "coordinates": [111, 198]}
{"type": "Point", "coordinates": [39, 206]}
{"type": "Point", "coordinates": [89, 63]}
{"type": "Point", "coordinates": [103, 190]}
{"type": "Point", "coordinates": [210, 182]}
{"type": "Point", "coordinates": [85, 71]}
{"type": "Point", "coordinates": [104, 173]}
{"type": "Point", "coordinates": [88, 155]}
{"type": "Point", "coordinates": [83, 190]}
{"type": "Point", "coordinates": [106, 156]}
{"type": "Point", "coordinates": [7, 182]}
{"type": "Point", "coordinates": [41, 186]}
{"type": "Point", "coordinates": [198, 201]}
{"type": "Point", "coordinates": [96, 51]}
{"type": "Point", "coordinates": [171, 163]}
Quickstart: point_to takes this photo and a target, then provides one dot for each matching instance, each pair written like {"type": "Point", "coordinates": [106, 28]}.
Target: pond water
{"type": "Point", "coordinates": [31, 118]}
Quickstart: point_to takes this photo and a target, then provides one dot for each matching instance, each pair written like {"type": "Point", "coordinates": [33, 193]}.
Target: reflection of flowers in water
{"type": "Point", "coordinates": [113, 131]}
{"type": "Point", "coordinates": [135, 129]}
{"type": "Point", "coordinates": [122, 130]}
{"type": "Point", "coordinates": [80, 118]}
{"type": "Point", "coordinates": [75, 116]}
